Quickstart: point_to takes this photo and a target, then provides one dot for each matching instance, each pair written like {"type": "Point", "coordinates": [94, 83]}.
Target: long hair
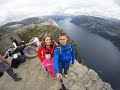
{"type": "Point", "coordinates": [43, 40]}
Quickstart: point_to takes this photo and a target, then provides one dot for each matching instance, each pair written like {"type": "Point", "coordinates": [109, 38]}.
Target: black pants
{"type": "Point", "coordinates": [65, 69]}
{"type": "Point", "coordinates": [15, 62]}
{"type": "Point", "coordinates": [6, 67]}
{"type": "Point", "coordinates": [11, 73]}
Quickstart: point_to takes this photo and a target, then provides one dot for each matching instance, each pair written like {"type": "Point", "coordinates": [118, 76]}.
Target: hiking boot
{"type": "Point", "coordinates": [18, 79]}
{"type": "Point", "coordinates": [66, 76]}
{"type": "Point", "coordinates": [15, 74]}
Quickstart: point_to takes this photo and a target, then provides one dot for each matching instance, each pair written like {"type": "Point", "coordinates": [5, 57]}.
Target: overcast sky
{"type": "Point", "coordinates": [19, 9]}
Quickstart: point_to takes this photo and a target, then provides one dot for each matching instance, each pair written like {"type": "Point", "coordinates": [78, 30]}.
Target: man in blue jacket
{"type": "Point", "coordinates": [64, 56]}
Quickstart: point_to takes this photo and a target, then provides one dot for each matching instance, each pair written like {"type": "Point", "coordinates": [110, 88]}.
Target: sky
{"type": "Point", "coordinates": [11, 10]}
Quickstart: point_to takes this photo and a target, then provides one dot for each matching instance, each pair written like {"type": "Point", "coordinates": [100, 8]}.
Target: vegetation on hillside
{"type": "Point", "coordinates": [40, 31]}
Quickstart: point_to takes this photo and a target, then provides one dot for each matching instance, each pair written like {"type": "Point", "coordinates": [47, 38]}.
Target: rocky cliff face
{"type": "Point", "coordinates": [107, 28]}
{"type": "Point", "coordinates": [5, 42]}
{"type": "Point", "coordinates": [34, 78]}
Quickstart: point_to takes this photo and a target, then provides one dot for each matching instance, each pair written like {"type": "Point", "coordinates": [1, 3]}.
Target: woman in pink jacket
{"type": "Point", "coordinates": [45, 54]}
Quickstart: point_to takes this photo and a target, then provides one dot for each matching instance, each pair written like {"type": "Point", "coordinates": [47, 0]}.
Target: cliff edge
{"type": "Point", "coordinates": [34, 78]}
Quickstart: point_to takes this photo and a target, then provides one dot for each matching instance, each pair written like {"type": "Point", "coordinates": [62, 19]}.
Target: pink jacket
{"type": "Point", "coordinates": [48, 64]}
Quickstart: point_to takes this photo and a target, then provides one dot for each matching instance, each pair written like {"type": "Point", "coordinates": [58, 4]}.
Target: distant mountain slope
{"type": "Point", "coordinates": [28, 21]}
{"type": "Point", "coordinates": [57, 18]}
{"type": "Point", "coordinates": [107, 28]}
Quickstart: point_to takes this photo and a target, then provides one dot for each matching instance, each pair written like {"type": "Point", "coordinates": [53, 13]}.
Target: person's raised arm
{"type": "Point", "coordinates": [15, 46]}
{"type": "Point", "coordinates": [32, 40]}
{"type": "Point", "coordinates": [40, 54]}
{"type": "Point", "coordinates": [56, 58]}
{"type": "Point", "coordinates": [3, 59]}
{"type": "Point", "coordinates": [55, 62]}
{"type": "Point", "coordinates": [73, 55]}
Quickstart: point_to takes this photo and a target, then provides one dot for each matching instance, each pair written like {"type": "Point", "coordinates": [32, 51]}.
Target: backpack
{"type": "Point", "coordinates": [69, 50]}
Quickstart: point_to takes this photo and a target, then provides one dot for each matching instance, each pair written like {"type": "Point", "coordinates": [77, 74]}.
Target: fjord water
{"type": "Point", "coordinates": [98, 53]}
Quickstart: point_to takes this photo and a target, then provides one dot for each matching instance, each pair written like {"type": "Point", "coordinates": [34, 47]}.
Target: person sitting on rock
{"type": "Point", "coordinates": [17, 59]}
{"type": "Point", "coordinates": [34, 41]}
{"type": "Point", "coordinates": [14, 42]}
{"type": "Point", "coordinates": [5, 66]}
{"type": "Point", "coordinates": [15, 62]}
{"type": "Point", "coordinates": [45, 54]}
{"type": "Point", "coordinates": [17, 46]}
{"type": "Point", "coordinates": [63, 54]}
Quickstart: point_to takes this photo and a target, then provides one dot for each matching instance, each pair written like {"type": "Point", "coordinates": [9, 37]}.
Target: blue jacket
{"type": "Point", "coordinates": [63, 54]}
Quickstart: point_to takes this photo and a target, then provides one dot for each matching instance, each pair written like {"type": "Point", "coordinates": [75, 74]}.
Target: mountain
{"type": "Point", "coordinates": [28, 21]}
{"type": "Point", "coordinates": [57, 18]}
{"type": "Point", "coordinates": [107, 28]}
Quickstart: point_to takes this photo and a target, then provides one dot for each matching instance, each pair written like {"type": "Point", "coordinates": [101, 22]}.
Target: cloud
{"type": "Point", "coordinates": [4, 1]}
{"type": "Point", "coordinates": [19, 9]}
{"type": "Point", "coordinates": [117, 2]}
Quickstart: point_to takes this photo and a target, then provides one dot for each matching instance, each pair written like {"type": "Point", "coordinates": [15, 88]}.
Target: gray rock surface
{"type": "Point", "coordinates": [34, 78]}
{"type": "Point", "coordinates": [6, 43]}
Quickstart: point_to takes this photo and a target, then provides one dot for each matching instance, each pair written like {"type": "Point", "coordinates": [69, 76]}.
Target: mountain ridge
{"type": "Point", "coordinates": [107, 28]}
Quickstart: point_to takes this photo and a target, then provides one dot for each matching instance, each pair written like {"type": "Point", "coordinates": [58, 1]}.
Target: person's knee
{"type": "Point", "coordinates": [15, 63]}
{"type": "Point", "coordinates": [6, 66]}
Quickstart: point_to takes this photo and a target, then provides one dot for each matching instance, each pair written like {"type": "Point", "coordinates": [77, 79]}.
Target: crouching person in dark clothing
{"type": "Point", "coordinates": [16, 59]}
{"type": "Point", "coordinates": [5, 66]}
